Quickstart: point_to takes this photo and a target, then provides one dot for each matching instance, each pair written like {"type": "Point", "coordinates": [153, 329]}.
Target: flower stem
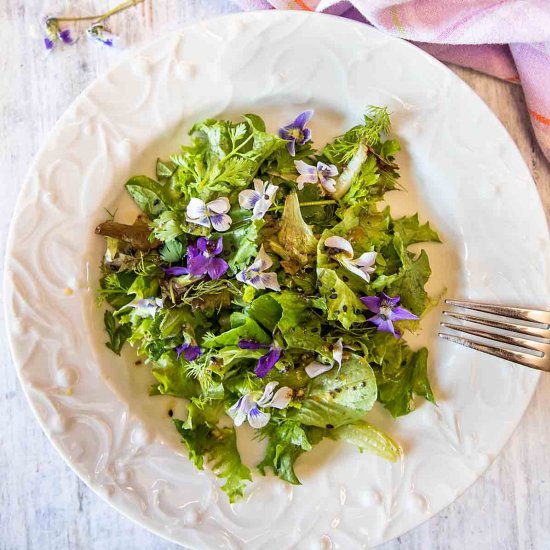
{"type": "Point", "coordinates": [103, 16]}
{"type": "Point", "coordinates": [311, 203]}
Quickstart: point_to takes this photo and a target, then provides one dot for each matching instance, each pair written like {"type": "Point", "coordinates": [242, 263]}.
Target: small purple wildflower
{"type": "Point", "coordinates": [387, 312]}
{"type": "Point", "coordinates": [213, 213]}
{"type": "Point", "coordinates": [189, 351]}
{"type": "Point", "coordinates": [265, 362]}
{"type": "Point", "coordinates": [258, 200]}
{"type": "Point", "coordinates": [296, 132]}
{"type": "Point", "coordinates": [256, 274]}
{"type": "Point", "coordinates": [201, 259]}
{"type": "Point", "coordinates": [53, 33]}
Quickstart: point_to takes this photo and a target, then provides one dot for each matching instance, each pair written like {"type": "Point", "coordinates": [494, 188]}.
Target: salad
{"type": "Point", "coordinates": [263, 283]}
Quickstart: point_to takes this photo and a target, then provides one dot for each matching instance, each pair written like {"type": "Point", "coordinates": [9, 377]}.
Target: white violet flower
{"type": "Point", "coordinates": [324, 173]}
{"type": "Point", "coordinates": [256, 275]}
{"type": "Point", "coordinates": [146, 307]}
{"type": "Point", "coordinates": [258, 199]}
{"type": "Point", "coordinates": [213, 213]}
{"type": "Point", "coordinates": [315, 368]}
{"type": "Point", "coordinates": [342, 251]}
{"type": "Point", "coordinates": [248, 407]}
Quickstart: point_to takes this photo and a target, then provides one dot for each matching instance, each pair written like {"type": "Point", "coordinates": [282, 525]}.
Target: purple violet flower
{"type": "Point", "coordinates": [265, 362]}
{"type": "Point", "coordinates": [296, 132]}
{"type": "Point", "coordinates": [201, 259]}
{"type": "Point", "coordinates": [189, 351]}
{"type": "Point", "coordinates": [53, 33]}
{"type": "Point", "coordinates": [324, 173]}
{"type": "Point", "coordinates": [387, 312]}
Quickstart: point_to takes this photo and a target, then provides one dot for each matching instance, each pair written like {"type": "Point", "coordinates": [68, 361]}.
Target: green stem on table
{"type": "Point", "coordinates": [311, 203]}
{"type": "Point", "coordinates": [103, 16]}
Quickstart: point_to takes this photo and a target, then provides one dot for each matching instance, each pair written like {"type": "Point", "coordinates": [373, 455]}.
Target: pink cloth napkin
{"type": "Point", "coordinates": [509, 39]}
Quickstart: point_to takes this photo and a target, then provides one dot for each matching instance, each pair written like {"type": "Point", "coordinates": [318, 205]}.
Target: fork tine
{"type": "Point", "coordinates": [533, 315]}
{"type": "Point", "coordinates": [513, 356]}
{"type": "Point", "coordinates": [510, 340]}
{"type": "Point", "coordinates": [513, 327]}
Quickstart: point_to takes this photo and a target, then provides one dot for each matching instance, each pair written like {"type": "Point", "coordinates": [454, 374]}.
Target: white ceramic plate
{"type": "Point", "coordinates": [460, 169]}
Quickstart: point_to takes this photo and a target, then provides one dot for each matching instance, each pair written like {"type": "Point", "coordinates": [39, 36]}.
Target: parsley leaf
{"type": "Point", "coordinates": [118, 334]}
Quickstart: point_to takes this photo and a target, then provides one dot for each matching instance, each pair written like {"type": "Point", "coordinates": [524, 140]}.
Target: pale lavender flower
{"type": "Point", "coordinates": [296, 132]}
{"type": "Point", "coordinates": [315, 368]}
{"type": "Point", "coordinates": [248, 407]}
{"type": "Point", "coordinates": [256, 275]}
{"type": "Point", "coordinates": [258, 199]}
{"type": "Point", "coordinates": [342, 251]}
{"type": "Point", "coordinates": [202, 258]}
{"type": "Point", "coordinates": [102, 35]}
{"type": "Point", "coordinates": [322, 173]}
{"type": "Point", "coordinates": [209, 214]}
{"type": "Point", "coordinates": [146, 307]}
{"type": "Point", "coordinates": [387, 312]}
{"type": "Point", "coordinates": [190, 352]}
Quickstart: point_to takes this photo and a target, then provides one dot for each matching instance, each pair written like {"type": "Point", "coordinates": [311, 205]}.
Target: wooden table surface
{"type": "Point", "coordinates": [43, 505]}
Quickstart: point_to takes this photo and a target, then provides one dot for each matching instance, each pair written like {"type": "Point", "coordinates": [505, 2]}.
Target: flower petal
{"type": "Point", "coordinates": [220, 205]}
{"type": "Point", "coordinates": [250, 344]}
{"type": "Point", "coordinates": [306, 136]}
{"type": "Point", "coordinates": [242, 276]}
{"type": "Point", "coordinates": [196, 209]}
{"type": "Point", "coordinates": [175, 271]}
{"type": "Point", "coordinates": [307, 170]}
{"type": "Point", "coordinates": [329, 184]}
{"type": "Point", "coordinates": [327, 170]}
{"type": "Point", "coordinates": [383, 325]}
{"type": "Point", "coordinates": [267, 280]}
{"type": "Point", "coordinates": [291, 147]}
{"type": "Point", "coordinates": [367, 259]}
{"type": "Point", "coordinates": [260, 208]}
{"type": "Point", "coordinates": [389, 300]}
{"type": "Point", "coordinates": [401, 314]}
{"type": "Point", "coordinates": [248, 198]}
{"type": "Point", "coordinates": [267, 362]}
{"type": "Point", "coordinates": [263, 260]}
{"type": "Point", "coordinates": [284, 133]}
{"type": "Point", "coordinates": [282, 398]}
{"type": "Point", "coordinates": [340, 244]}
{"type": "Point", "coordinates": [315, 369]}
{"type": "Point", "coordinates": [218, 247]}
{"type": "Point", "coordinates": [270, 190]}
{"type": "Point", "coordinates": [202, 245]}
{"type": "Point", "coordinates": [221, 222]}
{"type": "Point", "coordinates": [363, 272]}
{"type": "Point", "coordinates": [303, 118]}
{"type": "Point", "coordinates": [259, 186]}
{"type": "Point", "coordinates": [268, 394]}
{"type": "Point", "coordinates": [240, 409]}
{"type": "Point", "coordinates": [198, 265]}
{"type": "Point", "coordinates": [192, 352]}
{"type": "Point", "coordinates": [258, 419]}
{"type": "Point", "coordinates": [216, 267]}
{"type": "Point", "coordinates": [65, 36]}
{"type": "Point", "coordinates": [372, 303]}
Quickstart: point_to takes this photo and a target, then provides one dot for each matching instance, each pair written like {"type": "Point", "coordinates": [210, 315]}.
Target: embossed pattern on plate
{"type": "Point", "coordinates": [460, 169]}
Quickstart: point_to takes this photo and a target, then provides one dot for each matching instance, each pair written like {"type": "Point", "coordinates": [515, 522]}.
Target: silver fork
{"type": "Point", "coordinates": [530, 334]}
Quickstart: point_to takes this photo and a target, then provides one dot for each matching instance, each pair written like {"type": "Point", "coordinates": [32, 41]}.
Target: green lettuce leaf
{"type": "Point", "coordinates": [266, 310]}
{"type": "Point", "coordinates": [244, 328]}
{"type": "Point", "coordinates": [219, 447]}
{"type": "Point", "coordinates": [118, 334]}
{"type": "Point", "coordinates": [367, 438]}
{"type": "Point", "coordinates": [173, 377]}
{"type": "Point", "coordinates": [286, 442]}
{"type": "Point", "coordinates": [342, 303]}
{"type": "Point", "coordinates": [241, 243]}
{"type": "Point", "coordinates": [149, 195]}
{"type": "Point", "coordinates": [403, 375]}
{"type": "Point", "coordinates": [339, 396]}
{"type": "Point", "coordinates": [412, 232]}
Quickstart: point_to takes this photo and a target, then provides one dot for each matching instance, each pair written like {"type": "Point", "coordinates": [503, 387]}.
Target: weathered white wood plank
{"type": "Point", "coordinates": [42, 503]}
